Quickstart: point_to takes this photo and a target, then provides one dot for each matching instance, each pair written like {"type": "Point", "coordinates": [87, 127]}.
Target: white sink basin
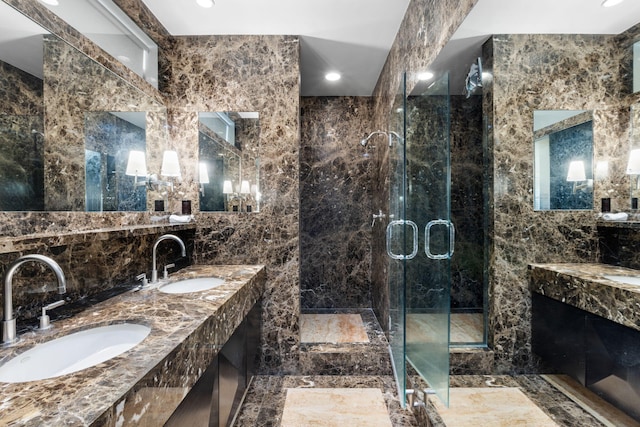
{"type": "Point", "coordinates": [191, 285]}
{"type": "Point", "coordinates": [630, 280]}
{"type": "Point", "coordinates": [73, 352]}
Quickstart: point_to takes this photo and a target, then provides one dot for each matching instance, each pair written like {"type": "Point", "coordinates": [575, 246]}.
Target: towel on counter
{"type": "Point", "coordinates": [180, 219]}
{"type": "Point", "coordinates": [620, 216]}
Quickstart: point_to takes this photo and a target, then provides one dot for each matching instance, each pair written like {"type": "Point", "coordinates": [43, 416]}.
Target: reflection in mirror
{"type": "Point", "coordinates": [109, 138]}
{"type": "Point", "coordinates": [563, 159]}
{"type": "Point", "coordinates": [50, 91]}
{"type": "Point", "coordinates": [633, 164]}
{"type": "Point", "coordinates": [229, 163]}
{"type": "Point", "coordinates": [636, 67]}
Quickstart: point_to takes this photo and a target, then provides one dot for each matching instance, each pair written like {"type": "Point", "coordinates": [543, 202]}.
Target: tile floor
{"type": "Point", "coordinates": [372, 400]}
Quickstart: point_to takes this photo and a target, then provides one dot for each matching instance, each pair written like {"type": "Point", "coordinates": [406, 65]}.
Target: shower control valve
{"type": "Point", "coordinates": [376, 216]}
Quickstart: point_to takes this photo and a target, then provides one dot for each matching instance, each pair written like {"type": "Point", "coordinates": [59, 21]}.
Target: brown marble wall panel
{"type": "Point", "coordinates": [21, 93]}
{"type": "Point", "coordinates": [425, 29]}
{"type": "Point", "coordinates": [91, 264]}
{"type": "Point", "coordinates": [248, 73]}
{"type": "Point", "coordinates": [467, 203]}
{"type": "Point", "coordinates": [520, 235]}
{"type": "Point", "coordinates": [335, 202]}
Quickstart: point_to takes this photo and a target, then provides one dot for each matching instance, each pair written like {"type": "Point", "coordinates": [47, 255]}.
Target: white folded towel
{"type": "Point", "coordinates": [180, 219]}
{"type": "Point", "coordinates": [620, 216]}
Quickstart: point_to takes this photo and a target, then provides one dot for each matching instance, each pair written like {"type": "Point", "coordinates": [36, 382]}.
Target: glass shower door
{"type": "Point", "coordinates": [396, 240]}
{"type": "Point", "coordinates": [427, 204]}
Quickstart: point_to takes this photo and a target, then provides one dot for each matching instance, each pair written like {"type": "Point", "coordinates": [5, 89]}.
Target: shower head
{"type": "Point", "coordinates": [365, 141]}
{"type": "Point", "coordinates": [474, 78]}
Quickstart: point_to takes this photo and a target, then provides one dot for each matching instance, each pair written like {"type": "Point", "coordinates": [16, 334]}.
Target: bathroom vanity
{"type": "Point", "coordinates": [586, 324]}
{"type": "Point", "coordinates": [193, 336]}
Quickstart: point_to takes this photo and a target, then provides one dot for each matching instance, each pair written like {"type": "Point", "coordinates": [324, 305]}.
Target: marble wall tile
{"type": "Point", "coordinates": [247, 73]}
{"type": "Point", "coordinates": [92, 263]}
{"type": "Point", "coordinates": [519, 235]}
{"type": "Point", "coordinates": [467, 203]}
{"type": "Point", "coordinates": [335, 202]}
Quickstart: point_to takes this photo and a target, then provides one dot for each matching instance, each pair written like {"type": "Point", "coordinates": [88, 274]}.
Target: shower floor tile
{"type": "Point", "coordinates": [332, 328]}
{"type": "Point", "coordinates": [335, 407]}
{"type": "Point", "coordinates": [465, 327]}
{"type": "Point", "coordinates": [497, 407]}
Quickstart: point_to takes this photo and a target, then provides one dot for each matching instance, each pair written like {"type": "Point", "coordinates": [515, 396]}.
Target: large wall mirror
{"type": "Point", "coordinates": [563, 160]}
{"type": "Point", "coordinates": [229, 143]}
{"type": "Point", "coordinates": [57, 125]}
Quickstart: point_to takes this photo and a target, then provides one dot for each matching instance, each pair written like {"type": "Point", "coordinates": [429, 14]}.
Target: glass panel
{"type": "Point", "coordinates": [396, 240]}
{"type": "Point", "coordinates": [427, 275]}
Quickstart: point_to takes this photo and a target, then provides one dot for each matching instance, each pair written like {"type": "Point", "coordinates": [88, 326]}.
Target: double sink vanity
{"type": "Point", "coordinates": [163, 339]}
{"type": "Point", "coordinates": [586, 319]}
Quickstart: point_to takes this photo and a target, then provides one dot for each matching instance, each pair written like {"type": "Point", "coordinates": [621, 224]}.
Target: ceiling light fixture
{"type": "Point", "coordinates": [51, 2]}
{"type": "Point", "coordinates": [609, 3]}
{"type": "Point", "coordinates": [427, 75]}
{"type": "Point", "coordinates": [332, 76]}
{"type": "Point", "coordinates": [205, 3]}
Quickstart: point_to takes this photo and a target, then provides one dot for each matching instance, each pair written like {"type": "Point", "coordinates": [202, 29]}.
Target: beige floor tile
{"type": "Point", "coordinates": [353, 407]}
{"type": "Point", "coordinates": [495, 407]}
{"type": "Point", "coordinates": [332, 328]}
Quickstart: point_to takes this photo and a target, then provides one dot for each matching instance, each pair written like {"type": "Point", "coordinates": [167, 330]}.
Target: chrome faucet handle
{"type": "Point", "coordinates": [143, 278]}
{"type": "Point", "coordinates": [44, 319]}
{"type": "Point", "coordinates": [165, 273]}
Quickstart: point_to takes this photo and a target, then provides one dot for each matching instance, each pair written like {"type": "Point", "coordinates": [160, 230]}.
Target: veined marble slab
{"type": "Point", "coordinates": [332, 328]}
{"type": "Point", "coordinates": [496, 407]}
{"type": "Point", "coordinates": [335, 407]}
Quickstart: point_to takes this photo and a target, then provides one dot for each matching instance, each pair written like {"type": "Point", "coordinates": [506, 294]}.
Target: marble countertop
{"type": "Point", "coordinates": [187, 331]}
{"type": "Point", "coordinates": [585, 287]}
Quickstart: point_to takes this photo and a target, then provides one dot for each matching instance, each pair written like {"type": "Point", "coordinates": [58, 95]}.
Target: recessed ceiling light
{"type": "Point", "coordinates": [609, 3]}
{"type": "Point", "coordinates": [124, 59]}
{"type": "Point", "coordinates": [427, 75]}
{"type": "Point", "coordinates": [205, 3]}
{"type": "Point", "coordinates": [51, 2]}
{"type": "Point", "coordinates": [332, 77]}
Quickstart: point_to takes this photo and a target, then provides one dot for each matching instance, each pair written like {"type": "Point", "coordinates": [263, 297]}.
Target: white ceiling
{"type": "Point", "coordinates": [352, 37]}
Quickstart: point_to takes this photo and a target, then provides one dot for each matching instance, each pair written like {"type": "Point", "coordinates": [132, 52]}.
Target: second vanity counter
{"type": "Point", "coordinates": [143, 385]}
{"type": "Point", "coordinates": [585, 286]}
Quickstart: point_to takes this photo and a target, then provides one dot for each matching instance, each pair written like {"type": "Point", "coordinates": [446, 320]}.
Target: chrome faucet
{"type": "Point", "coordinates": [154, 268]}
{"type": "Point", "coordinates": [8, 321]}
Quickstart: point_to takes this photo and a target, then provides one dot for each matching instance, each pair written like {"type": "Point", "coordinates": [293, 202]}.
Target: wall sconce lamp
{"type": "Point", "coordinates": [577, 174]}
{"type": "Point", "coordinates": [203, 176]}
{"type": "Point", "coordinates": [240, 199]}
{"type": "Point", "coordinates": [633, 165]}
{"type": "Point", "coordinates": [137, 167]}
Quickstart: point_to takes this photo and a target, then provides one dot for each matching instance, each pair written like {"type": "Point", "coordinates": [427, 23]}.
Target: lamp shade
{"type": "Point", "coordinates": [136, 164]}
{"type": "Point", "coordinates": [227, 187]}
{"type": "Point", "coordinates": [245, 188]}
{"type": "Point", "coordinates": [203, 173]}
{"type": "Point", "coordinates": [633, 166]}
{"type": "Point", "coordinates": [170, 164]}
{"type": "Point", "coordinates": [602, 169]}
{"type": "Point", "coordinates": [576, 171]}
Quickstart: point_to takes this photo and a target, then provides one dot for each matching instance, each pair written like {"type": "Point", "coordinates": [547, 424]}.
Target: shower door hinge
{"type": "Point", "coordinates": [417, 398]}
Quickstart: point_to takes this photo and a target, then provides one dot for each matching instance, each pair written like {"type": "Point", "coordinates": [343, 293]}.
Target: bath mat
{"type": "Point", "coordinates": [332, 328]}
{"type": "Point", "coordinates": [495, 407]}
{"type": "Point", "coordinates": [353, 407]}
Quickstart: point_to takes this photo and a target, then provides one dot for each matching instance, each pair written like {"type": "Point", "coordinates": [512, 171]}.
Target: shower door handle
{"type": "Point", "coordinates": [427, 239]}
{"type": "Point", "coordinates": [414, 228]}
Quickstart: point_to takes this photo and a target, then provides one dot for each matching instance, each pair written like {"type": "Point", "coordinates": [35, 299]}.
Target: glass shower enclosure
{"type": "Point", "coordinates": [420, 236]}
